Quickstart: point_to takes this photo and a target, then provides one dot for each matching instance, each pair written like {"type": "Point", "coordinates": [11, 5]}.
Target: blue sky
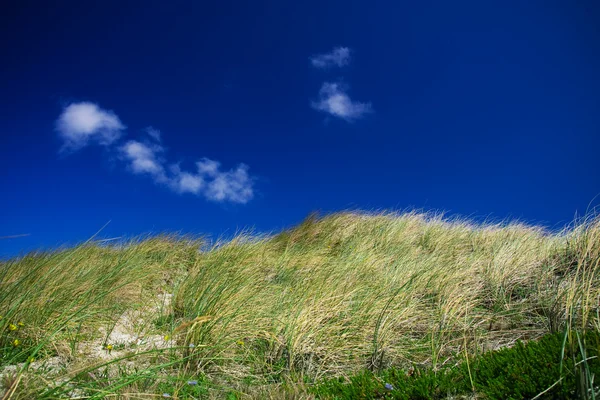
{"type": "Point", "coordinates": [201, 117]}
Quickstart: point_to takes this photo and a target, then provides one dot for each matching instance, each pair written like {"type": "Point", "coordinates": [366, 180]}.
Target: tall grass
{"type": "Point", "coordinates": [331, 297]}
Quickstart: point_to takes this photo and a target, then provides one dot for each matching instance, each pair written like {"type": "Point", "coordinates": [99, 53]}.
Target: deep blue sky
{"type": "Point", "coordinates": [478, 108]}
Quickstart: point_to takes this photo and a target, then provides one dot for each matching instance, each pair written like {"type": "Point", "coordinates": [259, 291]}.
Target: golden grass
{"type": "Point", "coordinates": [329, 297]}
{"type": "Point", "coordinates": [356, 290]}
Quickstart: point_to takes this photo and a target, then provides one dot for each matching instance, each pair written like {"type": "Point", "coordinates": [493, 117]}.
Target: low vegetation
{"type": "Point", "coordinates": [350, 305]}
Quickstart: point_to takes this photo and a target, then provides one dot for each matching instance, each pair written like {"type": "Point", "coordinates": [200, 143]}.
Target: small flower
{"type": "Point", "coordinates": [12, 327]}
{"type": "Point", "coordinates": [166, 395]}
{"type": "Point", "coordinates": [192, 345]}
{"type": "Point", "coordinates": [192, 383]}
{"type": "Point", "coordinates": [389, 386]}
{"type": "Point", "coordinates": [16, 342]}
{"type": "Point", "coordinates": [30, 359]}
{"type": "Point", "coordinates": [167, 337]}
{"type": "Point", "coordinates": [109, 347]}
{"type": "Point", "coordinates": [20, 323]}
{"type": "Point", "coordinates": [240, 342]}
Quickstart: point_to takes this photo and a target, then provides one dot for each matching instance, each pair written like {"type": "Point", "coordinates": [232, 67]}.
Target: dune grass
{"type": "Point", "coordinates": [273, 316]}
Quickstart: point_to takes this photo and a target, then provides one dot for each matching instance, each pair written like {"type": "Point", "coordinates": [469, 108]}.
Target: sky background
{"type": "Point", "coordinates": [210, 117]}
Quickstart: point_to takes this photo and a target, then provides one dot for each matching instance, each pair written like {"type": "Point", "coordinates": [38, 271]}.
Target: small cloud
{"type": "Point", "coordinates": [334, 100]}
{"type": "Point", "coordinates": [234, 185]}
{"type": "Point", "coordinates": [185, 182]}
{"type": "Point", "coordinates": [339, 57]}
{"type": "Point", "coordinates": [209, 181]}
{"type": "Point", "coordinates": [189, 183]}
{"type": "Point", "coordinates": [84, 122]}
{"type": "Point", "coordinates": [153, 133]}
{"type": "Point", "coordinates": [208, 167]}
{"type": "Point", "coordinates": [143, 159]}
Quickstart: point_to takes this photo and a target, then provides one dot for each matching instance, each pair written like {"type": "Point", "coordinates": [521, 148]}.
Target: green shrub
{"type": "Point", "coordinates": [519, 372]}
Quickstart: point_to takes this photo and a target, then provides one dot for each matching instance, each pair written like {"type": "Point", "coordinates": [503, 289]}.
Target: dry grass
{"type": "Point", "coordinates": [330, 297]}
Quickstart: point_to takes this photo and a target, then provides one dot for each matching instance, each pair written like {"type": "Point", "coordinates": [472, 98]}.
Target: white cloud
{"type": "Point", "coordinates": [234, 185]}
{"type": "Point", "coordinates": [209, 181]}
{"type": "Point", "coordinates": [208, 167]}
{"type": "Point", "coordinates": [185, 182]}
{"type": "Point", "coordinates": [334, 100]}
{"type": "Point", "coordinates": [84, 122]}
{"type": "Point", "coordinates": [189, 183]}
{"type": "Point", "coordinates": [144, 159]}
{"type": "Point", "coordinates": [339, 57]}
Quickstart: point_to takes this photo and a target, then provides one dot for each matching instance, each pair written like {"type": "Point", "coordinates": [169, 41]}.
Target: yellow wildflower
{"type": "Point", "coordinates": [240, 342]}
{"type": "Point", "coordinates": [12, 327]}
{"type": "Point", "coordinates": [167, 337]}
{"type": "Point", "coordinates": [16, 342]}
{"type": "Point", "coordinates": [20, 323]}
{"type": "Point", "coordinates": [30, 359]}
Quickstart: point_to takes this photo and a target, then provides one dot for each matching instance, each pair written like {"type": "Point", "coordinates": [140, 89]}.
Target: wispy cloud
{"type": "Point", "coordinates": [153, 133]}
{"type": "Point", "coordinates": [234, 185]}
{"type": "Point", "coordinates": [186, 182]}
{"type": "Point", "coordinates": [85, 123]}
{"type": "Point", "coordinates": [82, 123]}
{"type": "Point", "coordinates": [208, 180]}
{"type": "Point", "coordinates": [338, 57]}
{"type": "Point", "coordinates": [334, 100]}
{"type": "Point", "coordinates": [144, 159]}
{"type": "Point", "coordinates": [20, 235]}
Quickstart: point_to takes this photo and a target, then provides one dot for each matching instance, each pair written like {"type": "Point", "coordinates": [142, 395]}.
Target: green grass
{"type": "Point", "coordinates": [347, 295]}
{"type": "Point", "coordinates": [536, 368]}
